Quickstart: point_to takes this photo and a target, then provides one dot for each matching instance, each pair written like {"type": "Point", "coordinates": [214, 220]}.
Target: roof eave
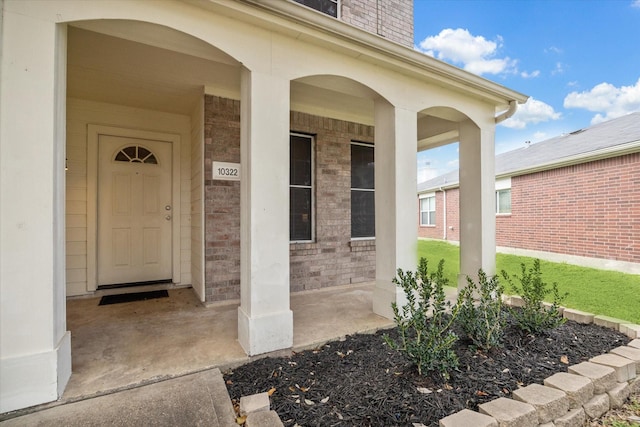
{"type": "Point", "coordinates": [293, 17]}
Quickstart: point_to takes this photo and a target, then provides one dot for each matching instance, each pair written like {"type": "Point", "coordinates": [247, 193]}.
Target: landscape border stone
{"type": "Point", "coordinates": [605, 393]}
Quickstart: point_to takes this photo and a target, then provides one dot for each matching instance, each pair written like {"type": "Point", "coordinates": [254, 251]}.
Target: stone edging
{"type": "Point", "coordinates": [587, 390]}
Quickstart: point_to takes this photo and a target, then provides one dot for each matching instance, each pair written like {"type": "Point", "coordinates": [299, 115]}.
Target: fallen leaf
{"type": "Point", "coordinates": [505, 370]}
{"type": "Point", "coordinates": [448, 387]}
{"type": "Point", "coordinates": [325, 400]}
{"type": "Point", "coordinates": [424, 390]}
{"type": "Point", "coordinates": [339, 415]}
{"type": "Point", "coordinates": [229, 382]}
{"type": "Point", "coordinates": [241, 420]}
{"type": "Point", "coordinates": [297, 400]}
{"type": "Point", "coordinates": [271, 391]}
{"type": "Point", "coordinates": [292, 389]}
{"type": "Point", "coordinates": [564, 359]}
{"type": "Point", "coordinates": [481, 393]}
{"type": "Point", "coordinates": [309, 402]}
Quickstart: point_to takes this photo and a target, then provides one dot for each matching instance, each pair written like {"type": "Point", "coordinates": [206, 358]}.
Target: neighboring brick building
{"type": "Point", "coordinates": [576, 194]}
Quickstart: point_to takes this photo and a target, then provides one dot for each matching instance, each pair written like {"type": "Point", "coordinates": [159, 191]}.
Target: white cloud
{"type": "Point", "coordinates": [554, 49]}
{"type": "Point", "coordinates": [532, 112]}
{"type": "Point", "coordinates": [559, 69]}
{"type": "Point", "coordinates": [607, 100]}
{"type": "Point", "coordinates": [475, 53]}
{"type": "Point", "coordinates": [530, 75]}
{"type": "Point", "coordinates": [635, 3]}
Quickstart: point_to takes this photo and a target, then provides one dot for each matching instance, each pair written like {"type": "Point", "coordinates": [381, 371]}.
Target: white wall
{"type": "Point", "coordinates": [80, 113]}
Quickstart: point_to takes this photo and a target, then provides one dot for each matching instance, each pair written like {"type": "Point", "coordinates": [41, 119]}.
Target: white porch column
{"type": "Point", "coordinates": [396, 139]}
{"type": "Point", "coordinates": [477, 202]}
{"type": "Point", "coordinates": [35, 347]}
{"type": "Point", "coordinates": [265, 321]}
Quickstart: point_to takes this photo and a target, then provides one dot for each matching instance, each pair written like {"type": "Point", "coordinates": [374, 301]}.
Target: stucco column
{"type": "Point", "coordinates": [477, 202]}
{"type": "Point", "coordinates": [265, 321]}
{"type": "Point", "coordinates": [35, 347]}
{"type": "Point", "coordinates": [396, 182]}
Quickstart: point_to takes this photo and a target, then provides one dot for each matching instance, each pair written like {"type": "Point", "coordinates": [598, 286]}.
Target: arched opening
{"type": "Point", "coordinates": [455, 194]}
{"type": "Point", "coordinates": [136, 179]}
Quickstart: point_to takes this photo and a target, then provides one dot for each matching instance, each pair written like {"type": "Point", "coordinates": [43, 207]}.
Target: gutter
{"type": "Point", "coordinates": [513, 107]}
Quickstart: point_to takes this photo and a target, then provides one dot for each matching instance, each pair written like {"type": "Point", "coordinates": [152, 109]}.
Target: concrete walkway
{"type": "Point", "coordinates": [121, 347]}
{"type": "Point", "coordinates": [194, 400]}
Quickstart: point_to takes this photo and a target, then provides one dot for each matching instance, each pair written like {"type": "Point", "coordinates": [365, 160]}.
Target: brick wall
{"type": "Point", "coordinates": [437, 231]}
{"type": "Point", "coordinates": [222, 201]}
{"type": "Point", "coordinates": [392, 19]}
{"type": "Point", "coordinates": [332, 259]}
{"type": "Point", "coordinates": [590, 210]}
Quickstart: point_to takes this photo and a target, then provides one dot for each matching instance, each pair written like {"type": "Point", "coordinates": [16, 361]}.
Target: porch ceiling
{"type": "Point", "coordinates": [148, 66]}
{"type": "Point", "coordinates": [106, 68]}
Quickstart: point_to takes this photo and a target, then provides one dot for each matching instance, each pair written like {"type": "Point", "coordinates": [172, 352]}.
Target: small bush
{"type": "Point", "coordinates": [483, 322]}
{"type": "Point", "coordinates": [534, 317]}
{"type": "Point", "coordinates": [424, 327]}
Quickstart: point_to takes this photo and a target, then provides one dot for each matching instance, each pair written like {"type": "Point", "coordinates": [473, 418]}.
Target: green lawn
{"type": "Point", "coordinates": [596, 291]}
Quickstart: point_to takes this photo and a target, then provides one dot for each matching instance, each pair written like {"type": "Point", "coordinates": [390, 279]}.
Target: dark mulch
{"type": "Point", "coordinates": [361, 382]}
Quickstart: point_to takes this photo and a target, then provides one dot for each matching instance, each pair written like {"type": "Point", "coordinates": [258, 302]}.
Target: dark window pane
{"type": "Point", "coordinates": [121, 157]}
{"type": "Point", "coordinates": [363, 212]}
{"type": "Point", "coordinates": [299, 214]}
{"type": "Point", "coordinates": [325, 6]}
{"type": "Point", "coordinates": [151, 160]}
{"type": "Point", "coordinates": [130, 151]}
{"type": "Point", "coordinates": [362, 167]}
{"type": "Point", "coordinates": [300, 160]}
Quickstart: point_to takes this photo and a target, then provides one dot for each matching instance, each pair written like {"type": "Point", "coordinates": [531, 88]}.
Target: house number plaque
{"type": "Point", "coordinates": [226, 171]}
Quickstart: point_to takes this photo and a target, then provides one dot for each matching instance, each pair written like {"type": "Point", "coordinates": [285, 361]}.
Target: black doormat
{"type": "Point", "coordinates": [136, 296]}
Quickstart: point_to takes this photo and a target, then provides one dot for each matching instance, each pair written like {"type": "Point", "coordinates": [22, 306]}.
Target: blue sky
{"type": "Point", "coordinates": [578, 60]}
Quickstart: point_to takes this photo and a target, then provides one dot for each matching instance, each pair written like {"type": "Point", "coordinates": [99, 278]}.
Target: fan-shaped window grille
{"type": "Point", "coordinates": [136, 154]}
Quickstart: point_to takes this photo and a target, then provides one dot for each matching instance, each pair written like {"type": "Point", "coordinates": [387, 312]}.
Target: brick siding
{"type": "Point", "coordinates": [332, 259]}
{"type": "Point", "coordinates": [392, 19]}
{"type": "Point", "coordinates": [222, 201]}
{"type": "Point", "coordinates": [591, 210]}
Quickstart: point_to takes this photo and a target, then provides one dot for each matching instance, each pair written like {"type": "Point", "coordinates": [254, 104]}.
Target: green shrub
{"type": "Point", "coordinates": [424, 327]}
{"type": "Point", "coordinates": [483, 322]}
{"type": "Point", "coordinates": [534, 317]}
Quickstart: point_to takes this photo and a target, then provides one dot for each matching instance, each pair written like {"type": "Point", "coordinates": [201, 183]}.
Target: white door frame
{"type": "Point", "coordinates": [93, 134]}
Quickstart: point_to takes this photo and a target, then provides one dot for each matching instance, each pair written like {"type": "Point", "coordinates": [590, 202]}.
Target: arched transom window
{"type": "Point", "coordinates": [136, 154]}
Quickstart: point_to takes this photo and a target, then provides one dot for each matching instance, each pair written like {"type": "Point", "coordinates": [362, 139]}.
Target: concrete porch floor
{"type": "Point", "coordinates": [115, 347]}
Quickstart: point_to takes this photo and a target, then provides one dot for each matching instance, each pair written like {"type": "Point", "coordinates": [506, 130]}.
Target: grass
{"type": "Point", "coordinates": [596, 291]}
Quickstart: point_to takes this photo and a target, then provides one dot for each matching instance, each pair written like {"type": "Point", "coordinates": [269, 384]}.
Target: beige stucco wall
{"type": "Point", "coordinates": [81, 113]}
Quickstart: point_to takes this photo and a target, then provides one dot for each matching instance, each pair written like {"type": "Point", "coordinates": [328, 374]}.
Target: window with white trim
{"type": "Point", "coordinates": [363, 208]}
{"type": "Point", "coordinates": [329, 7]}
{"type": "Point", "coordinates": [503, 196]}
{"type": "Point", "coordinates": [300, 188]}
{"type": "Point", "coordinates": [428, 210]}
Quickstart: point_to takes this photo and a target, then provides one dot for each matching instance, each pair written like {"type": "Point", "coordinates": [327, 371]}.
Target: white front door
{"type": "Point", "coordinates": [135, 211]}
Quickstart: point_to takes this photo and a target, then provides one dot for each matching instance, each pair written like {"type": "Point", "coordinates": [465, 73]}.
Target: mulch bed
{"type": "Point", "coordinates": [360, 381]}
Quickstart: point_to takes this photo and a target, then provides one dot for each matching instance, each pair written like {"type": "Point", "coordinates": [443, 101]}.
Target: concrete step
{"type": "Point", "coordinates": [199, 399]}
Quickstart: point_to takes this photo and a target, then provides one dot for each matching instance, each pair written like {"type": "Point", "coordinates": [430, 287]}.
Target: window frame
{"type": "Point", "coordinates": [311, 187]}
{"type": "Point", "coordinates": [502, 185]}
{"type": "Point", "coordinates": [427, 196]}
{"type": "Point", "coordinates": [371, 190]}
{"type": "Point", "coordinates": [337, 3]}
